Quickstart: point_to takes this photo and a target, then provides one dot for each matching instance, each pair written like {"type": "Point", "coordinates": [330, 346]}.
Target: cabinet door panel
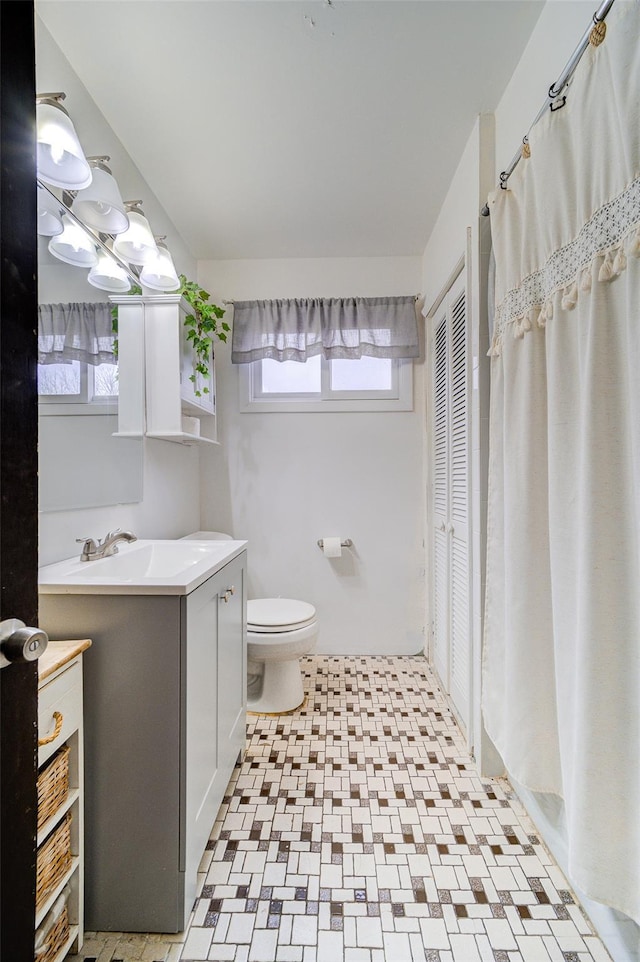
{"type": "Point", "coordinates": [232, 667]}
{"type": "Point", "coordinates": [201, 755]}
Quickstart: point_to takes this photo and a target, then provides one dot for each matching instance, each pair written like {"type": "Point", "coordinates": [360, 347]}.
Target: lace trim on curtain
{"type": "Point", "coordinates": [569, 269]}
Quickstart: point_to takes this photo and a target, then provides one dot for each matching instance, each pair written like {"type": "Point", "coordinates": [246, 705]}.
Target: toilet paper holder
{"type": "Point", "coordinates": [346, 543]}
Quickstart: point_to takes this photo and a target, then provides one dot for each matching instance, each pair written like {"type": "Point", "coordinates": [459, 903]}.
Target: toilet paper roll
{"type": "Point", "coordinates": [331, 547]}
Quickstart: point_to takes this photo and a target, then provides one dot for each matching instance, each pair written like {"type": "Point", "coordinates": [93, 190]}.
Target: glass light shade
{"type": "Point", "coordinates": [136, 244]}
{"type": "Point", "coordinates": [61, 160]}
{"type": "Point", "coordinates": [159, 273]}
{"type": "Point", "coordinates": [73, 245]}
{"type": "Point", "coordinates": [109, 276]}
{"type": "Point", "coordinates": [49, 216]}
{"type": "Point", "coordinates": [100, 205]}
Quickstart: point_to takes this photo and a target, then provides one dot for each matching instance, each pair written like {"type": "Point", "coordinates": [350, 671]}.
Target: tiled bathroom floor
{"type": "Point", "coordinates": [357, 830]}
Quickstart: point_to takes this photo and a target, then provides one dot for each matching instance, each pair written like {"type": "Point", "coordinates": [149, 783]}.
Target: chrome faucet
{"type": "Point", "coordinates": [103, 549]}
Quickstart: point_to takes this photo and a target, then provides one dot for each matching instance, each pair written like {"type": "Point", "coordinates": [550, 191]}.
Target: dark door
{"type": "Point", "coordinates": [18, 474]}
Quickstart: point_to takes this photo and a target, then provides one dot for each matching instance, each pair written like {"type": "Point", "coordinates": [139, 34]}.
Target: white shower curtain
{"type": "Point", "coordinates": [561, 685]}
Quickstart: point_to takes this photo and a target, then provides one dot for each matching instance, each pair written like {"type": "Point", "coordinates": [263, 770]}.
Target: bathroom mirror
{"type": "Point", "coordinates": [81, 463]}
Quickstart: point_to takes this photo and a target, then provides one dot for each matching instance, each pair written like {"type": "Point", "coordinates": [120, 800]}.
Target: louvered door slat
{"type": "Point", "coordinates": [440, 422]}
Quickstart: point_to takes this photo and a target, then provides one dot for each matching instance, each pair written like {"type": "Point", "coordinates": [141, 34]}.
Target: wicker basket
{"type": "Point", "coordinates": [53, 785]}
{"type": "Point", "coordinates": [56, 938]}
{"type": "Point", "coordinates": [54, 859]}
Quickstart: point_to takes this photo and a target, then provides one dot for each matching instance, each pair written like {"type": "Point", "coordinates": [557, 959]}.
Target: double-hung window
{"type": "Point", "coordinates": [64, 386]}
{"type": "Point", "coordinates": [318, 384]}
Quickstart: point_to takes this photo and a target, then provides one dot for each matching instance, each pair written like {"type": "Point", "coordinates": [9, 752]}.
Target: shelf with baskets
{"type": "Point", "coordinates": [60, 857]}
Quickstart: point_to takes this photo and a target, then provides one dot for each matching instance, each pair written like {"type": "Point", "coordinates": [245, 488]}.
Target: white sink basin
{"type": "Point", "coordinates": [143, 567]}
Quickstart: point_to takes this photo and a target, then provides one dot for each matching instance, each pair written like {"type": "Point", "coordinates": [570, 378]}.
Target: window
{"type": "Point", "coordinates": [365, 384]}
{"type": "Point", "coordinates": [75, 387]}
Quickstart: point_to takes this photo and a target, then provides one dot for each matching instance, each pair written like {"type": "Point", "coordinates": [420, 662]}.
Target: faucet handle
{"type": "Point", "coordinates": [89, 548]}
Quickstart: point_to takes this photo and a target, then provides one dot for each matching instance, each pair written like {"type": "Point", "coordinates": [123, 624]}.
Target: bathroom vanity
{"type": "Point", "coordinates": [165, 703]}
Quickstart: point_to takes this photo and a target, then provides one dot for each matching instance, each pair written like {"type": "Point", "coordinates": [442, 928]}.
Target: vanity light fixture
{"type": "Point", "coordinates": [61, 160]}
{"type": "Point", "coordinates": [73, 246]}
{"type": "Point", "coordinates": [100, 204]}
{"type": "Point", "coordinates": [109, 276]}
{"type": "Point", "coordinates": [136, 244]}
{"type": "Point", "coordinates": [49, 213]}
{"type": "Point", "coordinates": [159, 273]}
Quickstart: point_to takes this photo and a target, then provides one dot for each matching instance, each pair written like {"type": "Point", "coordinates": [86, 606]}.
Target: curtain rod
{"type": "Point", "coordinates": [555, 91]}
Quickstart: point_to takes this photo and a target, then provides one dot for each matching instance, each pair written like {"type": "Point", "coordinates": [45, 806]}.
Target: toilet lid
{"type": "Point", "coordinates": [278, 614]}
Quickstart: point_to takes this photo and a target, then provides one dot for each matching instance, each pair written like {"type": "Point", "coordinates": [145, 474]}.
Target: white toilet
{"type": "Point", "coordinates": [279, 631]}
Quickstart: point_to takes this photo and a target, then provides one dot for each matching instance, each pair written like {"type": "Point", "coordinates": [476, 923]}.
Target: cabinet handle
{"type": "Point", "coordinates": [227, 594]}
{"type": "Point", "coordinates": [58, 718]}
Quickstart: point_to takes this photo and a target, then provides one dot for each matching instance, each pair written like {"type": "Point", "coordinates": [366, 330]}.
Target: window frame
{"type": "Point", "coordinates": [84, 403]}
{"type": "Point", "coordinates": [398, 398]}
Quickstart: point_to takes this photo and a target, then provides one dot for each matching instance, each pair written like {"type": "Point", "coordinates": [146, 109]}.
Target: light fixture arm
{"type": "Point", "coordinates": [54, 99]}
{"type": "Point", "coordinates": [126, 267]}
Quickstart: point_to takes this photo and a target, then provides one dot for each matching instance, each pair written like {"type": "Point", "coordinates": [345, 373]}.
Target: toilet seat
{"type": "Point", "coordinates": [278, 615]}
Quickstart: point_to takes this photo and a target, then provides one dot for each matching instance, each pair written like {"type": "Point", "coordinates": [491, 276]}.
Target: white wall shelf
{"type": "Point", "coordinates": [156, 362]}
{"type": "Point", "coordinates": [181, 438]}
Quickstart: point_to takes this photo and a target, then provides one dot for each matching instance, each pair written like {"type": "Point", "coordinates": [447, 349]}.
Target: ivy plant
{"type": "Point", "coordinates": [204, 324]}
{"type": "Point", "coordinates": [203, 328]}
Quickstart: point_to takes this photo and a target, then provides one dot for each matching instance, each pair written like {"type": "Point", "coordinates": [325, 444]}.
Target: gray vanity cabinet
{"type": "Point", "coordinates": [165, 704]}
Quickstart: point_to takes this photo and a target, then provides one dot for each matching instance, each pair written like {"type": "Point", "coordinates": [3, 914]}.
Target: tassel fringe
{"type": "Point", "coordinates": [620, 262]}
{"type": "Point", "coordinates": [570, 298]}
{"type": "Point", "coordinates": [606, 268]}
{"type": "Point", "coordinates": [613, 264]}
{"type": "Point", "coordinates": [496, 346]}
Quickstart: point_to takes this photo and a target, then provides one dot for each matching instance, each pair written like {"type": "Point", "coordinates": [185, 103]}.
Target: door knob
{"type": "Point", "coordinates": [18, 643]}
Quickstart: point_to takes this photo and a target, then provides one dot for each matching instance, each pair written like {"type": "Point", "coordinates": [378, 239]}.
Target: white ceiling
{"type": "Point", "coordinates": [304, 128]}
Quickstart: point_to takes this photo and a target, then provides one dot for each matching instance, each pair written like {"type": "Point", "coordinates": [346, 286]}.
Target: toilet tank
{"type": "Point", "coordinates": [207, 536]}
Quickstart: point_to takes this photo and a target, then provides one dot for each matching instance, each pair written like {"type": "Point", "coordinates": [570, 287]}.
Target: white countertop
{"type": "Point", "coordinates": [141, 568]}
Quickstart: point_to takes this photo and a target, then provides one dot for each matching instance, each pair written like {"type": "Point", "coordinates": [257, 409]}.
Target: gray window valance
{"type": "Point", "coordinates": [336, 327]}
{"type": "Point", "coordinates": [75, 332]}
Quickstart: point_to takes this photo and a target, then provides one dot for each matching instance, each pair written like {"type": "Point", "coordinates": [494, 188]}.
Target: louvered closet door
{"type": "Point", "coordinates": [451, 539]}
{"type": "Point", "coordinates": [441, 503]}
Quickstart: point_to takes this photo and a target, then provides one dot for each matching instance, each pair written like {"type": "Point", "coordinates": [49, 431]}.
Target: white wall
{"type": "Point", "coordinates": [560, 27]}
{"type": "Point", "coordinates": [284, 480]}
{"type": "Point", "coordinates": [170, 504]}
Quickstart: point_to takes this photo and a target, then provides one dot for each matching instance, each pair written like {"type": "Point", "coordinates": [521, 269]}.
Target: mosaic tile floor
{"type": "Point", "coordinates": [357, 830]}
